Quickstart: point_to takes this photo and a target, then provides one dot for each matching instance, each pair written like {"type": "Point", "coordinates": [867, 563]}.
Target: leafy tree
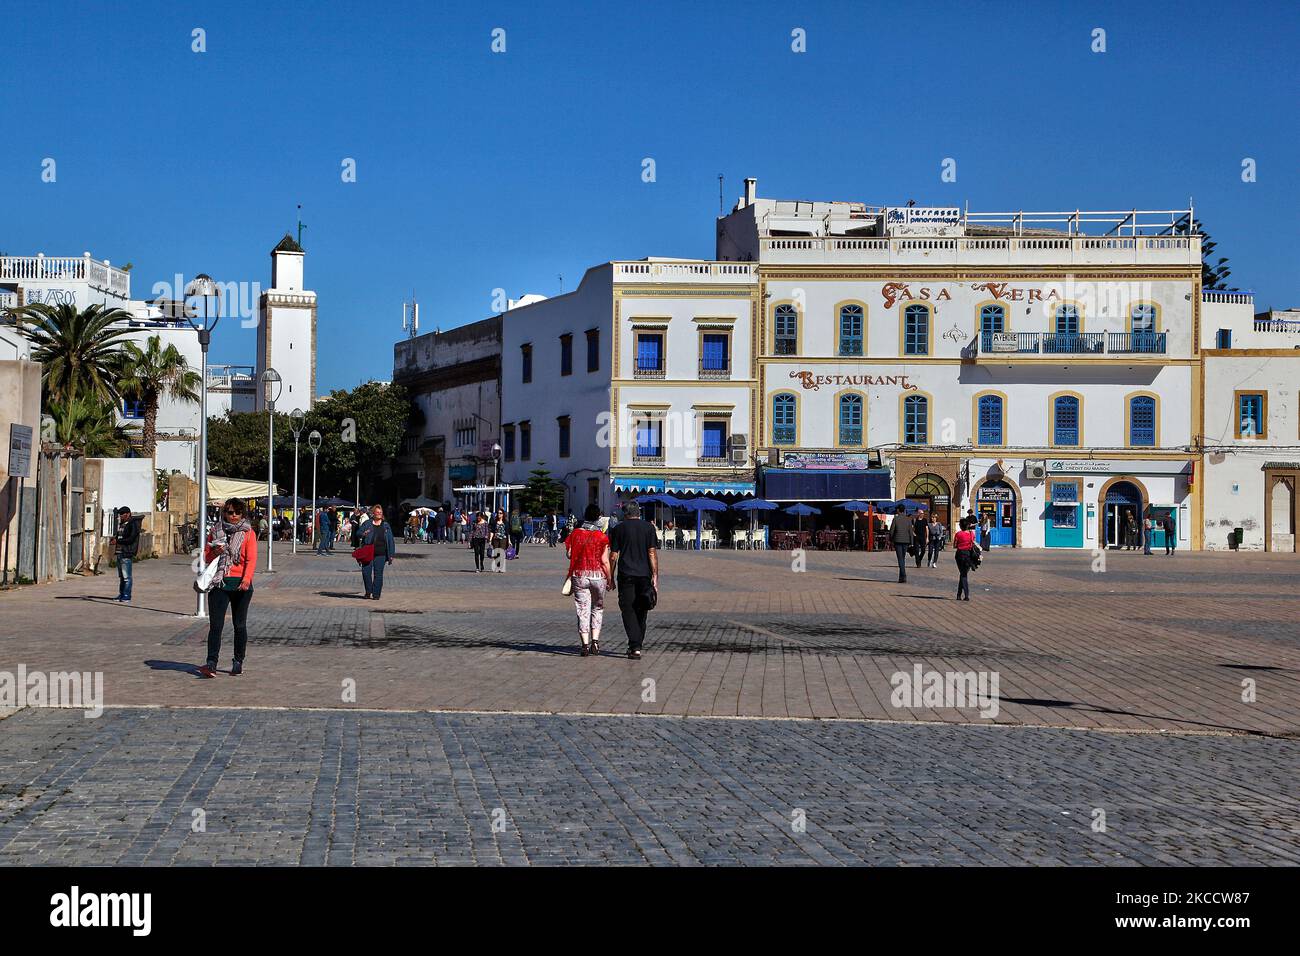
{"type": "Point", "coordinates": [361, 431]}
{"type": "Point", "coordinates": [1214, 276]}
{"type": "Point", "coordinates": [88, 425]}
{"type": "Point", "coordinates": [152, 373]}
{"type": "Point", "coordinates": [79, 351]}
{"type": "Point", "coordinates": [542, 494]}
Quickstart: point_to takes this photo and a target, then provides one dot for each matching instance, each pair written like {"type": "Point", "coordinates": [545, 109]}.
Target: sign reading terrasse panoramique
{"type": "Point", "coordinates": [813, 382]}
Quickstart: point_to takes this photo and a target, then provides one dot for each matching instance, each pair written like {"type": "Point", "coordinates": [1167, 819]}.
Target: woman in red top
{"type": "Point", "coordinates": [963, 543]}
{"type": "Point", "coordinates": [589, 570]}
{"type": "Point", "coordinates": [232, 541]}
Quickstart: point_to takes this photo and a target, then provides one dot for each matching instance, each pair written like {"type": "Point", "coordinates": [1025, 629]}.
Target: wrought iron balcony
{"type": "Point", "coordinates": [712, 372]}
{"type": "Point", "coordinates": [640, 372]}
{"type": "Point", "coordinates": [1073, 343]}
{"type": "Point", "coordinates": [1151, 343]}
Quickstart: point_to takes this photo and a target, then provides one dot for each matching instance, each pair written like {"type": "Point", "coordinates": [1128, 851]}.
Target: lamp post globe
{"type": "Point", "coordinates": [202, 287]}
{"type": "Point", "coordinates": [295, 425]}
{"type": "Point", "coordinates": [313, 442]}
{"type": "Point", "coordinates": [271, 386]}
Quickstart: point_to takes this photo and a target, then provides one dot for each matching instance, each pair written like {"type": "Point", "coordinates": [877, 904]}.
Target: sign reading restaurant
{"type": "Point", "coordinates": [813, 382]}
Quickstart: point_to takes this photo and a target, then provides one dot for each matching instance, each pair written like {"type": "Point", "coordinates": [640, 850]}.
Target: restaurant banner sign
{"type": "Point", "coordinates": [826, 461]}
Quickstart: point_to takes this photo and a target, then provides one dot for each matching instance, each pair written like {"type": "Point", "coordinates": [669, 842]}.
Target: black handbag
{"type": "Point", "coordinates": [651, 598]}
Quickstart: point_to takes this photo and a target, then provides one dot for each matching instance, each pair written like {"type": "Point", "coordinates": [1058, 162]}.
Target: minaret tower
{"type": "Point", "coordinates": [286, 329]}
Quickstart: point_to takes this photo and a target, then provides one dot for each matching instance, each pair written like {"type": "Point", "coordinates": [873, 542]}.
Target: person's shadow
{"type": "Point", "coordinates": [191, 669]}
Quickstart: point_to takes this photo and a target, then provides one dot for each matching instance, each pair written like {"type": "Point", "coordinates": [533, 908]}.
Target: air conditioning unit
{"type": "Point", "coordinates": [739, 449]}
{"type": "Point", "coordinates": [1036, 470]}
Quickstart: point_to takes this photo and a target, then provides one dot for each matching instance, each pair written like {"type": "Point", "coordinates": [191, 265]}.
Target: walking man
{"type": "Point", "coordinates": [920, 536]}
{"type": "Point", "coordinates": [380, 534]}
{"type": "Point", "coordinates": [516, 531]}
{"type": "Point", "coordinates": [326, 532]}
{"type": "Point", "coordinates": [1167, 522]}
{"type": "Point", "coordinates": [125, 545]}
{"type": "Point", "coordinates": [903, 538]}
{"type": "Point", "coordinates": [635, 558]}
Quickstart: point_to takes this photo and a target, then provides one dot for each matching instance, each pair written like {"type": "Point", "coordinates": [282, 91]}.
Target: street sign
{"type": "Point", "coordinates": [20, 450]}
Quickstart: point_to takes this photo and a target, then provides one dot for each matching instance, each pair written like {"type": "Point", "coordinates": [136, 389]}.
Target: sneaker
{"type": "Point", "coordinates": [634, 655]}
{"type": "Point", "coordinates": [236, 669]}
{"type": "Point", "coordinates": [207, 671]}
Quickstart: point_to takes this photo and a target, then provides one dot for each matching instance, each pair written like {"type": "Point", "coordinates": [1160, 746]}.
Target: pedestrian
{"type": "Point", "coordinates": [590, 575]}
{"type": "Point", "coordinates": [324, 531]}
{"type": "Point", "coordinates": [902, 536]}
{"type": "Point", "coordinates": [963, 545]}
{"type": "Point", "coordinates": [234, 545]}
{"type": "Point", "coordinates": [553, 528]}
{"type": "Point", "coordinates": [920, 537]}
{"type": "Point", "coordinates": [498, 540]}
{"type": "Point", "coordinates": [126, 543]}
{"type": "Point", "coordinates": [986, 533]}
{"type": "Point", "coordinates": [516, 531]}
{"type": "Point", "coordinates": [1147, 527]}
{"type": "Point", "coordinates": [463, 528]}
{"type": "Point", "coordinates": [478, 539]}
{"type": "Point", "coordinates": [935, 536]}
{"type": "Point", "coordinates": [1130, 531]}
{"type": "Point", "coordinates": [634, 560]}
{"type": "Point", "coordinates": [378, 533]}
{"type": "Point", "coordinates": [1167, 523]}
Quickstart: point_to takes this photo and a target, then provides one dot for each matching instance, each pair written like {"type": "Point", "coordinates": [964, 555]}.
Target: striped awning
{"type": "Point", "coordinates": [701, 487]}
{"type": "Point", "coordinates": [638, 483]}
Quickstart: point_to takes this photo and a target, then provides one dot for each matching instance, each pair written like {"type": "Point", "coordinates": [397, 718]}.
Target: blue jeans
{"type": "Point", "coordinates": [123, 578]}
{"type": "Point", "coordinates": [372, 575]}
{"type": "Point", "coordinates": [326, 541]}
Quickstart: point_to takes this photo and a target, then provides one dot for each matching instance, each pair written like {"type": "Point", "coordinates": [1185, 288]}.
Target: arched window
{"type": "Point", "coordinates": [993, 318]}
{"type": "Point", "coordinates": [1143, 317]}
{"type": "Point", "coordinates": [784, 411]}
{"type": "Point", "coordinates": [851, 330]}
{"type": "Point", "coordinates": [916, 330]}
{"type": "Point", "coordinates": [1142, 421]}
{"type": "Point", "coordinates": [990, 420]}
{"type": "Point", "coordinates": [1067, 320]}
{"type": "Point", "coordinates": [850, 419]}
{"type": "Point", "coordinates": [1065, 420]}
{"type": "Point", "coordinates": [916, 420]}
{"type": "Point", "coordinates": [787, 330]}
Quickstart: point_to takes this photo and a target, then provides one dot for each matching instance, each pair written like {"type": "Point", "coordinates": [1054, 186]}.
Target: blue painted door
{"type": "Point", "coordinates": [1003, 534]}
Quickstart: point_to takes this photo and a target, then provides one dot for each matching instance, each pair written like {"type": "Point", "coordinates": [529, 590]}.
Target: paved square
{"type": "Point", "coordinates": [582, 760]}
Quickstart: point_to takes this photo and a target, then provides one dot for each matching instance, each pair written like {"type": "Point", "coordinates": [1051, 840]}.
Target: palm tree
{"type": "Point", "coordinates": [151, 374]}
{"type": "Point", "coordinates": [90, 425]}
{"type": "Point", "coordinates": [78, 349]}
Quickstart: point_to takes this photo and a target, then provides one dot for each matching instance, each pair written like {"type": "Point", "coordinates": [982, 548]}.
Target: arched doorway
{"type": "Point", "coordinates": [931, 492]}
{"type": "Point", "coordinates": [1281, 514]}
{"type": "Point", "coordinates": [997, 501]}
{"type": "Point", "coordinates": [1121, 501]}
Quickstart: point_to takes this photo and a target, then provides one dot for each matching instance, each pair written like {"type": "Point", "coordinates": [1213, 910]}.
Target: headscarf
{"type": "Point", "coordinates": [230, 539]}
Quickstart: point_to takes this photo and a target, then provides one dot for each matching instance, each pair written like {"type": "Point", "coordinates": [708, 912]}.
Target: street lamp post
{"type": "Point", "coordinates": [272, 384]}
{"type": "Point", "coordinates": [204, 288]}
{"type": "Point", "coordinates": [295, 425]}
{"type": "Point", "coordinates": [496, 474]}
{"type": "Point", "coordinates": [313, 442]}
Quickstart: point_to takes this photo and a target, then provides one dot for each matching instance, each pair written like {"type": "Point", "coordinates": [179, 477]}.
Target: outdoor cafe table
{"type": "Point", "coordinates": [789, 540]}
{"type": "Point", "coordinates": [832, 540]}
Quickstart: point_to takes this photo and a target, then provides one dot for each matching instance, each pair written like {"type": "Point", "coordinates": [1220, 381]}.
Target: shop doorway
{"type": "Point", "coordinates": [931, 493]}
{"type": "Point", "coordinates": [1123, 504]}
{"type": "Point", "coordinates": [996, 500]}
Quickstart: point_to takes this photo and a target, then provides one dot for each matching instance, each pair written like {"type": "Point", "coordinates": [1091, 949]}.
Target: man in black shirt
{"type": "Point", "coordinates": [634, 553]}
{"type": "Point", "coordinates": [125, 545]}
{"type": "Point", "coordinates": [902, 537]}
{"type": "Point", "coordinates": [920, 536]}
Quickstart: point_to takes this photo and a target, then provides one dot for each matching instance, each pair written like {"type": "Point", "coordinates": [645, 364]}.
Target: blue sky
{"type": "Point", "coordinates": [478, 170]}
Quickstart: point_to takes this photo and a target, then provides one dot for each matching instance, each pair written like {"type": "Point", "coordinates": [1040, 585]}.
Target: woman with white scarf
{"type": "Point", "coordinates": [233, 544]}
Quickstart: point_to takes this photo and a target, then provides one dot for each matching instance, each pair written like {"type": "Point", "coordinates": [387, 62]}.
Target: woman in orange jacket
{"type": "Point", "coordinates": [234, 542]}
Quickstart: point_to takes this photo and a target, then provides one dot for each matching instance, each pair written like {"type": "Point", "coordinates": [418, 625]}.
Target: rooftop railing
{"type": "Point", "coordinates": [720, 273]}
{"type": "Point", "coordinates": [983, 250]}
{"type": "Point", "coordinates": [42, 268]}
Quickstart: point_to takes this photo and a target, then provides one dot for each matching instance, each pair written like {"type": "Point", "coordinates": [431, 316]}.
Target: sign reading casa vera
{"type": "Point", "coordinates": [813, 382]}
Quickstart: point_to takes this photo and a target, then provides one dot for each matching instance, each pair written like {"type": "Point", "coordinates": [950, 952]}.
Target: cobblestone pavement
{"type": "Point", "coordinates": [337, 788]}
{"type": "Point", "coordinates": [1150, 643]}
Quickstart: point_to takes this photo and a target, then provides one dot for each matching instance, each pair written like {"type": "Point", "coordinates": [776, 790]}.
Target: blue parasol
{"type": "Point", "coordinates": [699, 506]}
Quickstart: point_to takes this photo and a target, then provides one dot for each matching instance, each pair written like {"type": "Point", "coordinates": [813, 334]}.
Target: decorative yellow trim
{"type": "Point", "coordinates": [1128, 418]}
{"type": "Point", "coordinates": [699, 341]}
{"type": "Point", "coordinates": [798, 420]}
{"type": "Point", "coordinates": [637, 332]}
{"type": "Point", "coordinates": [903, 306]}
{"type": "Point", "coordinates": [975, 418]}
{"type": "Point", "coordinates": [902, 418]}
{"type": "Point", "coordinates": [1236, 414]}
{"type": "Point", "coordinates": [799, 324]}
{"type": "Point", "coordinates": [718, 408]}
{"type": "Point", "coordinates": [1051, 418]}
{"type": "Point", "coordinates": [715, 319]}
{"type": "Point", "coordinates": [650, 406]}
{"type": "Point", "coordinates": [835, 421]}
{"type": "Point", "coordinates": [866, 316]}
{"type": "Point", "coordinates": [1128, 318]}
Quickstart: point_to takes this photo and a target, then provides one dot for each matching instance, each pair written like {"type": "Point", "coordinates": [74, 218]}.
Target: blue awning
{"type": "Point", "coordinates": [799, 484]}
{"type": "Point", "coordinates": [638, 483]}
{"type": "Point", "coordinates": [712, 487]}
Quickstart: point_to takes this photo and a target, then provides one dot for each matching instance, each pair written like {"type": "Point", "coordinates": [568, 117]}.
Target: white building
{"type": "Point", "coordinates": [286, 329]}
{"type": "Point", "coordinates": [1251, 446]}
{"type": "Point", "coordinates": [641, 379]}
{"type": "Point", "coordinates": [83, 282]}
